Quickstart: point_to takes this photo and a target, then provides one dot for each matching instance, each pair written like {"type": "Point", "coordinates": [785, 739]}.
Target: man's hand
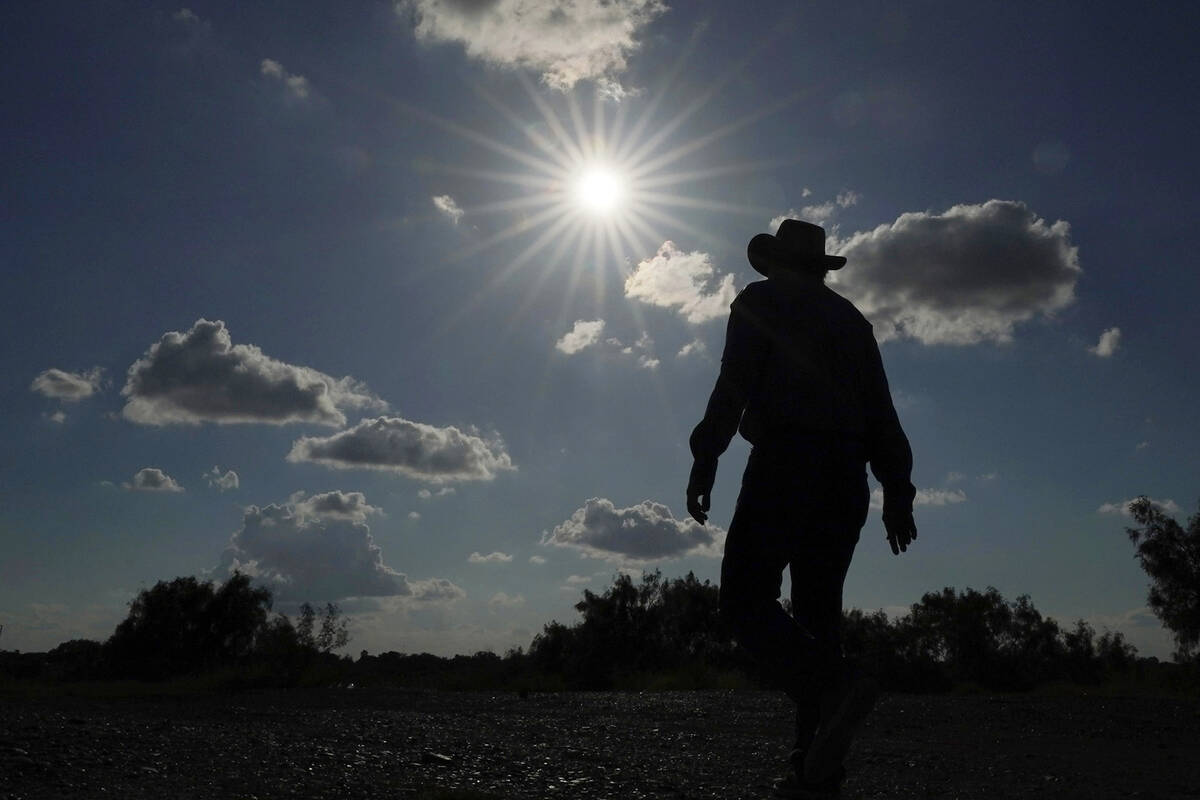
{"type": "Point", "coordinates": [699, 490]}
{"type": "Point", "coordinates": [901, 528]}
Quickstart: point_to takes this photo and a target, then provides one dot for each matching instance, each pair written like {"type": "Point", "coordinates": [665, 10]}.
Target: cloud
{"type": "Point", "coordinates": [848, 198]}
{"type": "Point", "coordinates": [926, 497]}
{"type": "Point", "coordinates": [445, 204]}
{"type": "Point", "coordinates": [58, 417]}
{"type": "Point", "coordinates": [296, 86]}
{"type": "Point", "coordinates": [414, 515]}
{"type": "Point", "coordinates": [505, 600]}
{"type": "Point", "coordinates": [647, 362]}
{"type": "Point", "coordinates": [1166, 506]}
{"type": "Point", "coordinates": [685, 282]}
{"type": "Point", "coordinates": [1109, 341]}
{"type": "Point", "coordinates": [426, 494]}
{"type": "Point", "coordinates": [693, 348]}
{"type": "Point", "coordinates": [152, 479]}
{"type": "Point", "coordinates": [320, 549]}
{"type": "Point", "coordinates": [414, 449]}
{"type": "Point", "coordinates": [1142, 445]}
{"type": "Point", "coordinates": [221, 482]}
{"type": "Point", "coordinates": [186, 16]}
{"type": "Point", "coordinates": [436, 589]}
{"type": "Point", "coordinates": [644, 532]}
{"type": "Point", "coordinates": [565, 41]}
{"type": "Point", "coordinates": [537, 560]}
{"type": "Point", "coordinates": [490, 558]}
{"type": "Point", "coordinates": [964, 276]}
{"type": "Point", "coordinates": [69, 387]}
{"type": "Point", "coordinates": [201, 376]}
{"type": "Point", "coordinates": [579, 580]}
{"type": "Point", "coordinates": [585, 334]}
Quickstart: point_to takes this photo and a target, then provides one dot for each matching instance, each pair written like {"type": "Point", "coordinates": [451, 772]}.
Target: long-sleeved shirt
{"type": "Point", "coordinates": [800, 365]}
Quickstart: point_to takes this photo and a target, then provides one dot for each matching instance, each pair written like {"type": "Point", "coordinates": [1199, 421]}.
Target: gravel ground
{"type": "Point", "coordinates": [411, 744]}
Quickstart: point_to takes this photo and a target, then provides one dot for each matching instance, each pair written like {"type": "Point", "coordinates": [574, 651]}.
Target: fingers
{"type": "Point", "coordinates": [892, 541]}
{"type": "Point", "coordinates": [698, 508]}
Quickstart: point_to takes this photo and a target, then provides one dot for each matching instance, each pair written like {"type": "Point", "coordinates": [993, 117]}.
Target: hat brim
{"type": "Point", "coordinates": [766, 252]}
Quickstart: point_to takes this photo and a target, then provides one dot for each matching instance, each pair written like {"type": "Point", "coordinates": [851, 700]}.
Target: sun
{"type": "Point", "coordinates": [599, 189]}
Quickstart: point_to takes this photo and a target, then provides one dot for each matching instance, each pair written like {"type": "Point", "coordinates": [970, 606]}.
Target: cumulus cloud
{"type": "Point", "coordinates": [152, 479]}
{"type": "Point", "coordinates": [648, 362]}
{"type": "Point", "coordinates": [446, 204]}
{"type": "Point", "coordinates": [693, 348]}
{"type": "Point", "coordinates": [426, 494]}
{"type": "Point", "coordinates": [926, 497]}
{"type": "Point", "coordinates": [684, 282]}
{"type": "Point", "coordinates": [221, 481]}
{"type": "Point", "coordinates": [420, 451]}
{"type": "Point", "coordinates": [848, 198]}
{"type": "Point", "coordinates": [296, 86]}
{"type": "Point", "coordinates": [201, 376]}
{"type": "Point", "coordinates": [565, 41]}
{"type": "Point", "coordinates": [59, 417]}
{"type": "Point", "coordinates": [537, 560]}
{"type": "Point", "coordinates": [69, 387]}
{"type": "Point", "coordinates": [964, 276]}
{"type": "Point", "coordinates": [1109, 341]}
{"type": "Point", "coordinates": [644, 532]}
{"type": "Point", "coordinates": [585, 334]}
{"type": "Point", "coordinates": [1166, 506]}
{"type": "Point", "coordinates": [505, 600]}
{"type": "Point", "coordinates": [491, 558]}
{"type": "Point", "coordinates": [436, 589]}
{"type": "Point", "coordinates": [320, 549]}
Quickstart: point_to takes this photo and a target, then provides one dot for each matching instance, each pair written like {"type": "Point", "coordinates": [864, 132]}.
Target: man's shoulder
{"type": "Point", "coordinates": [844, 308]}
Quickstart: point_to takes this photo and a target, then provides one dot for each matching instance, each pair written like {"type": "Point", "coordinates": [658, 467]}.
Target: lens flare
{"type": "Point", "coordinates": [598, 189]}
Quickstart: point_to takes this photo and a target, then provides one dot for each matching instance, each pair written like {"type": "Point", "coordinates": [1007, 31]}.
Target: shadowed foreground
{"type": "Point", "coordinates": [390, 744]}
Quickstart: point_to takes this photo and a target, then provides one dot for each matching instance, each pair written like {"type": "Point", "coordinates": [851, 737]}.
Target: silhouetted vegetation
{"type": "Point", "coordinates": [654, 634]}
{"type": "Point", "coordinates": [1170, 555]}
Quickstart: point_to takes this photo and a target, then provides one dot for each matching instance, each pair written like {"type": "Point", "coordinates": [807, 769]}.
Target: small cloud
{"type": "Point", "coordinates": [221, 481]}
{"type": "Point", "coordinates": [296, 85]}
{"type": "Point", "coordinates": [414, 515]}
{"type": "Point", "coordinates": [806, 192]}
{"type": "Point", "coordinates": [646, 362]}
{"type": "Point", "coordinates": [693, 348]}
{"type": "Point", "coordinates": [420, 451]}
{"type": "Point", "coordinates": [684, 282]}
{"type": "Point", "coordinates": [818, 214]}
{"type": "Point", "coordinates": [645, 532]}
{"type": "Point", "coordinates": [954, 477]}
{"type": "Point", "coordinates": [1110, 340]}
{"type": "Point", "coordinates": [491, 558]}
{"type": "Point", "coordinates": [988, 476]}
{"type": "Point", "coordinates": [585, 333]}
{"type": "Point", "coordinates": [848, 198]}
{"type": "Point", "coordinates": [505, 600]}
{"type": "Point", "coordinates": [446, 204]}
{"type": "Point", "coordinates": [59, 416]}
{"type": "Point", "coordinates": [1122, 508]}
{"type": "Point", "coordinates": [1142, 445]}
{"type": "Point", "coordinates": [926, 497]}
{"type": "Point", "coordinates": [579, 580]}
{"type": "Point", "coordinates": [537, 560]}
{"type": "Point", "coordinates": [426, 494]}
{"type": "Point", "coordinates": [152, 479]}
{"type": "Point", "coordinates": [186, 16]}
{"type": "Point", "coordinates": [69, 387]}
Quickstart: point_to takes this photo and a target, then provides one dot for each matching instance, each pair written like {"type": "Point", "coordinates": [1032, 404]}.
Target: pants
{"type": "Point", "coordinates": [805, 512]}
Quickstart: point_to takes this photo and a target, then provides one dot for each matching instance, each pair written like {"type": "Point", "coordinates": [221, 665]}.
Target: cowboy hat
{"type": "Point", "coordinates": [797, 244]}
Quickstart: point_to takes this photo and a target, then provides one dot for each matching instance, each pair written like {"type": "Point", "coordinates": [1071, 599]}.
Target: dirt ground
{"type": "Point", "coordinates": [413, 744]}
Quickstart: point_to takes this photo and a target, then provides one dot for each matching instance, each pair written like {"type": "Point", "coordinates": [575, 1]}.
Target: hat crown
{"type": "Point", "coordinates": [802, 237]}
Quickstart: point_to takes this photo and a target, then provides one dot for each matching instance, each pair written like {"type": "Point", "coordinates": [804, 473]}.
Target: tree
{"type": "Point", "coordinates": [1170, 555]}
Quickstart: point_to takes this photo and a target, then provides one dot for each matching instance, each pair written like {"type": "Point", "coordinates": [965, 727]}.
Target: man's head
{"type": "Point", "coordinates": [797, 246]}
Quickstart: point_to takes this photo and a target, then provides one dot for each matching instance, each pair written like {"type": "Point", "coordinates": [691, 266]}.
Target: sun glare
{"type": "Point", "coordinates": [598, 189]}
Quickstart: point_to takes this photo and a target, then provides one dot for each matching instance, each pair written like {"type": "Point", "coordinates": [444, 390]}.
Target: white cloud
{"type": "Point", "coordinates": [647, 362]}
{"type": "Point", "coordinates": [579, 580]}
{"type": "Point", "coordinates": [565, 40]}
{"type": "Point", "coordinates": [848, 198]}
{"type": "Point", "coordinates": [414, 515]}
{"type": "Point", "coordinates": [965, 276]}
{"type": "Point", "coordinates": [644, 532]}
{"type": "Point", "coordinates": [491, 558]}
{"type": "Point", "coordinates": [925, 497]}
{"type": "Point", "coordinates": [818, 214]}
{"type": "Point", "coordinates": [420, 451]}
{"type": "Point", "coordinates": [59, 417]}
{"type": "Point", "coordinates": [505, 600]}
{"type": "Point", "coordinates": [186, 16]}
{"type": "Point", "coordinates": [685, 282]}
{"type": "Point", "coordinates": [693, 348]}
{"type": "Point", "coordinates": [1166, 506]}
{"type": "Point", "coordinates": [954, 476]}
{"type": "Point", "coordinates": [201, 376]}
{"type": "Point", "coordinates": [152, 479]}
{"type": "Point", "coordinates": [222, 482]}
{"type": "Point", "coordinates": [1110, 340]}
{"type": "Point", "coordinates": [1142, 445]}
{"type": "Point", "coordinates": [320, 549]}
{"type": "Point", "coordinates": [446, 204]}
{"type": "Point", "coordinates": [296, 85]}
{"type": "Point", "coordinates": [585, 334]}
{"type": "Point", "coordinates": [70, 387]}
{"type": "Point", "coordinates": [426, 494]}
{"type": "Point", "coordinates": [537, 560]}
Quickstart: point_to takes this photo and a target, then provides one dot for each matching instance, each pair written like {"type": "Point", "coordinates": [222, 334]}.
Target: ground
{"type": "Point", "coordinates": [353, 743]}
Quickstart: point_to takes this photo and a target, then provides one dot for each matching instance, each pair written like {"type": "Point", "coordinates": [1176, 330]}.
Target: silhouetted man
{"type": "Point", "coordinates": [802, 380]}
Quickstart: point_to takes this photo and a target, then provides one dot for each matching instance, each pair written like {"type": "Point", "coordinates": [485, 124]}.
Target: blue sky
{"type": "Point", "coordinates": [313, 291]}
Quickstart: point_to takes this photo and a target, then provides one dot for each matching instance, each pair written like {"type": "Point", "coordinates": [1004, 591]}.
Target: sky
{"type": "Point", "coordinates": [412, 306]}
